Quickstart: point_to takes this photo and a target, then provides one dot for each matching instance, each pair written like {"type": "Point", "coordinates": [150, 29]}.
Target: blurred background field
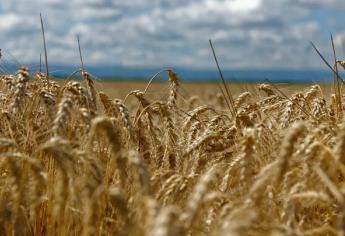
{"type": "Point", "coordinates": [205, 90]}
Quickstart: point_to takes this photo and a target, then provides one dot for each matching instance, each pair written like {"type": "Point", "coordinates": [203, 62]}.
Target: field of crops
{"type": "Point", "coordinates": [170, 158]}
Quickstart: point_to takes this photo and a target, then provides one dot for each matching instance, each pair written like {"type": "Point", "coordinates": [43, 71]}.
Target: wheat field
{"type": "Point", "coordinates": [94, 158]}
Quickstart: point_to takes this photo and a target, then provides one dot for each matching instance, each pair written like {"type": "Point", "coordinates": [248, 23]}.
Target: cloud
{"type": "Point", "coordinates": [246, 33]}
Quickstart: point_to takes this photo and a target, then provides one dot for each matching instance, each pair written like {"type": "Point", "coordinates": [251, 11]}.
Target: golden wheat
{"type": "Point", "coordinates": [76, 162]}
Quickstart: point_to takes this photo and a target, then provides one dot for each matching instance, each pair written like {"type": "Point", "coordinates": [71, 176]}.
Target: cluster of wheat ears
{"type": "Point", "coordinates": [75, 162]}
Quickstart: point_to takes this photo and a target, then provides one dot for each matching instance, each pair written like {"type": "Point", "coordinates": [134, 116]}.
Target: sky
{"type": "Point", "coordinates": [264, 34]}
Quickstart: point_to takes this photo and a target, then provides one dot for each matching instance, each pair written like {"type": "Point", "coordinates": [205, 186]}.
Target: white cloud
{"type": "Point", "coordinates": [9, 21]}
{"type": "Point", "coordinates": [243, 5]}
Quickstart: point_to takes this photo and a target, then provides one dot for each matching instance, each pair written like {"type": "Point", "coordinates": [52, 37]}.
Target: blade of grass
{"type": "Point", "coordinates": [336, 79]}
{"type": "Point", "coordinates": [45, 49]}
{"type": "Point", "coordinates": [325, 61]}
{"type": "Point", "coordinates": [227, 90]}
{"type": "Point", "coordinates": [80, 54]}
